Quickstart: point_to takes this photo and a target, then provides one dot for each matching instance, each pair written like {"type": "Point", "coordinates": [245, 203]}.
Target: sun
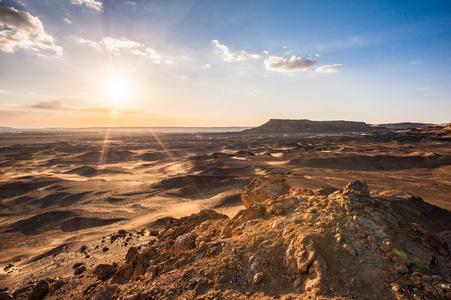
{"type": "Point", "coordinates": [118, 91]}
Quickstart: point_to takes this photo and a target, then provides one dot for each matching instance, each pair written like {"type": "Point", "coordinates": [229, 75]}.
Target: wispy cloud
{"type": "Point", "coordinates": [61, 105]}
{"type": "Point", "coordinates": [280, 64]}
{"type": "Point", "coordinates": [425, 88]}
{"type": "Point", "coordinates": [124, 45]}
{"type": "Point", "coordinates": [19, 29]}
{"type": "Point", "coordinates": [52, 105]}
{"type": "Point", "coordinates": [90, 43]}
{"type": "Point", "coordinates": [115, 45]}
{"type": "Point", "coordinates": [230, 56]}
{"type": "Point", "coordinates": [93, 4]}
{"type": "Point", "coordinates": [329, 68]}
{"type": "Point", "coordinates": [67, 21]}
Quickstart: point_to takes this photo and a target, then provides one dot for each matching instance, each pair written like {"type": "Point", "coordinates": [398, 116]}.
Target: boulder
{"type": "Point", "coordinates": [264, 188]}
{"type": "Point", "coordinates": [357, 187]}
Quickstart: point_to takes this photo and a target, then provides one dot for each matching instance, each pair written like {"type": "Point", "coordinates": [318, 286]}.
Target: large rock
{"type": "Point", "coordinates": [264, 188]}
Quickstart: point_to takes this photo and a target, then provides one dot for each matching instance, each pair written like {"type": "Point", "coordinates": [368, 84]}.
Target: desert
{"type": "Point", "coordinates": [140, 214]}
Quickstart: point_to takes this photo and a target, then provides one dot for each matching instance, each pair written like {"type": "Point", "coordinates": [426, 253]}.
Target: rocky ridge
{"type": "Point", "coordinates": [287, 243]}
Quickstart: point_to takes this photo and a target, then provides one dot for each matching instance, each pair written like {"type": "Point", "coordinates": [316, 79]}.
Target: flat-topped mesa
{"type": "Point", "coordinates": [307, 126]}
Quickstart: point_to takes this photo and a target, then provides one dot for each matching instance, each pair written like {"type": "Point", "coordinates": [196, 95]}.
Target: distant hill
{"type": "Point", "coordinates": [404, 125]}
{"type": "Point", "coordinates": [280, 126]}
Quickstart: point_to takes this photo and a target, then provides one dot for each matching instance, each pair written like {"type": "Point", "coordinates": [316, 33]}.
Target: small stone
{"type": "Point", "coordinates": [39, 290]}
{"type": "Point", "coordinates": [401, 268]}
{"type": "Point", "coordinates": [338, 238]}
{"type": "Point", "coordinates": [386, 246]}
{"type": "Point", "coordinates": [139, 271]}
{"type": "Point", "coordinates": [297, 283]}
{"type": "Point", "coordinates": [437, 277]}
{"type": "Point", "coordinates": [105, 249]}
{"type": "Point", "coordinates": [80, 270]}
{"type": "Point", "coordinates": [77, 265]}
{"type": "Point", "coordinates": [258, 278]}
{"type": "Point", "coordinates": [350, 249]}
{"type": "Point", "coordinates": [131, 254]}
{"type": "Point", "coordinates": [426, 278]}
{"type": "Point", "coordinates": [83, 248]}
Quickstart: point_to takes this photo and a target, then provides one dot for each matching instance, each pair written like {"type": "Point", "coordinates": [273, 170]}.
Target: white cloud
{"type": "Point", "coordinates": [115, 45]}
{"type": "Point", "coordinates": [425, 88]}
{"type": "Point", "coordinates": [207, 66]}
{"type": "Point", "coordinates": [90, 43]}
{"type": "Point", "coordinates": [329, 68]}
{"type": "Point", "coordinates": [94, 4]}
{"type": "Point", "coordinates": [67, 21]}
{"type": "Point", "coordinates": [280, 64]}
{"type": "Point", "coordinates": [230, 56]}
{"type": "Point", "coordinates": [19, 29]}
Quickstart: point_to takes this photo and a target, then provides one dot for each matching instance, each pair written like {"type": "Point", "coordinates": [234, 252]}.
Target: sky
{"type": "Point", "coordinates": [81, 63]}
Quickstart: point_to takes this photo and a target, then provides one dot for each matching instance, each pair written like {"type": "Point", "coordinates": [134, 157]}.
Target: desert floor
{"type": "Point", "coordinates": [61, 191]}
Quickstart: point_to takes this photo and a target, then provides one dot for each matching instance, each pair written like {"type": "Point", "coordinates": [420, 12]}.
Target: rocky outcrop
{"type": "Point", "coordinates": [286, 244]}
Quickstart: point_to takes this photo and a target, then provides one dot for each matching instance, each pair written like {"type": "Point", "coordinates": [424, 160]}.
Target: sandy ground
{"type": "Point", "coordinates": [60, 192]}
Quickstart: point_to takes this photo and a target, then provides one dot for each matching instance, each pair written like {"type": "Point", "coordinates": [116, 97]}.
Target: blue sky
{"type": "Point", "coordinates": [72, 63]}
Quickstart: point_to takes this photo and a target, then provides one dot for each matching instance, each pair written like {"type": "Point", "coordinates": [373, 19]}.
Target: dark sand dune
{"type": "Point", "coordinates": [153, 156]}
{"type": "Point", "coordinates": [79, 223]}
{"type": "Point", "coordinates": [229, 172]}
{"type": "Point", "coordinates": [377, 162]}
{"type": "Point", "coordinates": [227, 201]}
{"type": "Point", "coordinates": [42, 222]}
{"type": "Point", "coordinates": [107, 157]}
{"type": "Point", "coordinates": [53, 252]}
{"type": "Point", "coordinates": [28, 184]}
{"type": "Point", "coordinates": [88, 171]}
{"type": "Point", "coordinates": [198, 186]}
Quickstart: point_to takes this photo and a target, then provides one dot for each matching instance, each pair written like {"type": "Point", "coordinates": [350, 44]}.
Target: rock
{"type": "Point", "coordinates": [357, 187]}
{"type": "Point", "coordinates": [131, 254]}
{"type": "Point", "coordinates": [6, 296]}
{"type": "Point", "coordinates": [257, 278]}
{"type": "Point", "coordinates": [263, 188]}
{"type": "Point", "coordinates": [80, 270]}
{"type": "Point", "coordinates": [351, 251]}
{"type": "Point", "coordinates": [401, 268]}
{"type": "Point", "coordinates": [39, 290]}
{"type": "Point", "coordinates": [185, 242]}
{"type": "Point", "coordinates": [300, 254]}
{"type": "Point", "coordinates": [297, 283]}
{"type": "Point", "coordinates": [87, 289]}
{"type": "Point", "coordinates": [139, 271]}
{"type": "Point", "coordinates": [105, 249]}
{"type": "Point", "coordinates": [83, 249]}
{"type": "Point", "coordinates": [254, 211]}
{"type": "Point", "coordinates": [107, 292]}
{"type": "Point", "coordinates": [77, 265]}
{"type": "Point", "coordinates": [104, 272]}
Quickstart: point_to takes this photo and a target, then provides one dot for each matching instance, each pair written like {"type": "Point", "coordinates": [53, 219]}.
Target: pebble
{"type": "Point", "coordinates": [258, 278]}
{"type": "Point", "coordinates": [350, 249]}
